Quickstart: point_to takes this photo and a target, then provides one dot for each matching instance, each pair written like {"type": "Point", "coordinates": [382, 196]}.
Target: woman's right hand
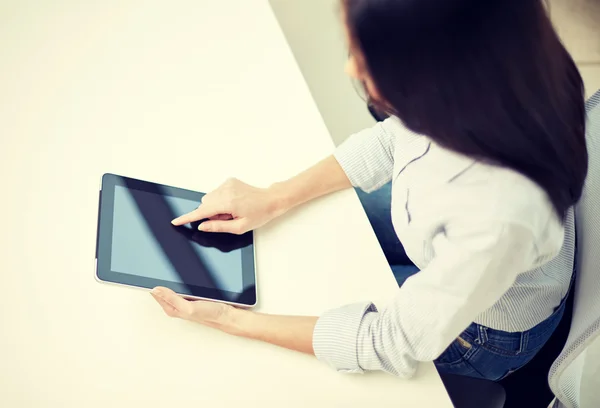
{"type": "Point", "coordinates": [236, 208]}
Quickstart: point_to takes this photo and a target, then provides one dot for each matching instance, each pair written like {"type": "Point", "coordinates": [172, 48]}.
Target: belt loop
{"type": "Point", "coordinates": [524, 341]}
{"type": "Point", "coordinates": [482, 334]}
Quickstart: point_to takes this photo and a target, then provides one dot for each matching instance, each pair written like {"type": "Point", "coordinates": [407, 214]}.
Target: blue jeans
{"type": "Point", "coordinates": [479, 351]}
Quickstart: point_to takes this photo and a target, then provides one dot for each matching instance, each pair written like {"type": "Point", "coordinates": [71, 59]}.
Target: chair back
{"type": "Point", "coordinates": [567, 371]}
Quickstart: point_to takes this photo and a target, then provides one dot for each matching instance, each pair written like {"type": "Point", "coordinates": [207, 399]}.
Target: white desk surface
{"type": "Point", "coordinates": [184, 93]}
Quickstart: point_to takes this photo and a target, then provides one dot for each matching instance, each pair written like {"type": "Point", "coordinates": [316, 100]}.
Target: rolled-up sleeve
{"type": "Point", "coordinates": [475, 264]}
{"type": "Point", "coordinates": [367, 157]}
{"type": "Point", "coordinates": [335, 336]}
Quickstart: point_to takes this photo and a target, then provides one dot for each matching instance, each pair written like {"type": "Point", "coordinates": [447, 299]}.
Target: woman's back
{"type": "Point", "coordinates": [440, 198]}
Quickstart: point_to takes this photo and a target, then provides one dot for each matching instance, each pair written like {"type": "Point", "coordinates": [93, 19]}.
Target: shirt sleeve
{"type": "Point", "coordinates": [367, 157]}
{"type": "Point", "coordinates": [475, 264]}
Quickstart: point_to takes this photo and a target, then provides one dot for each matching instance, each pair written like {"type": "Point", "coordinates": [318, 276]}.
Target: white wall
{"type": "Point", "coordinates": [314, 32]}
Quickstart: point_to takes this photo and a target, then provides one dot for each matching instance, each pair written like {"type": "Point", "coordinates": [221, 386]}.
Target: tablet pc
{"type": "Point", "coordinates": [138, 246]}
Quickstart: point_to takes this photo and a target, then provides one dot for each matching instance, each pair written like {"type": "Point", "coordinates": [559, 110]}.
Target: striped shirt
{"type": "Point", "coordinates": [489, 244]}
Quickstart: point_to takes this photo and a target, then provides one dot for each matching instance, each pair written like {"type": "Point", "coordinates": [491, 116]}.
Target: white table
{"type": "Point", "coordinates": [184, 93]}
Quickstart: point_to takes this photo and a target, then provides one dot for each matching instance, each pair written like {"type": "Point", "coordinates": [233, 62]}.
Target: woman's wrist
{"type": "Point", "coordinates": [232, 322]}
{"type": "Point", "coordinates": [281, 198]}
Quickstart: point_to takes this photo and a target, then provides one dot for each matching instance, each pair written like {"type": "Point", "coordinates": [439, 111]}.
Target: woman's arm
{"type": "Point", "coordinates": [291, 332]}
{"type": "Point", "coordinates": [236, 207]}
{"type": "Point", "coordinates": [476, 264]}
{"type": "Point", "coordinates": [323, 178]}
{"type": "Point", "coordinates": [477, 261]}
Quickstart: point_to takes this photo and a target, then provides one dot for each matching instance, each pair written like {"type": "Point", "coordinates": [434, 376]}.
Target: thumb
{"type": "Point", "coordinates": [173, 304]}
{"type": "Point", "coordinates": [236, 226]}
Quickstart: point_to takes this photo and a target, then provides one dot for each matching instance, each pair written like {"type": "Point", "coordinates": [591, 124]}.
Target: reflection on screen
{"type": "Point", "coordinates": [146, 244]}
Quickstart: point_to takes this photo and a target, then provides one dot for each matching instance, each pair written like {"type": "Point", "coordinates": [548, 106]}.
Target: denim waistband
{"type": "Point", "coordinates": [520, 342]}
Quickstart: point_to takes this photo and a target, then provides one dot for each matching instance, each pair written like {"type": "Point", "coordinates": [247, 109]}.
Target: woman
{"type": "Point", "coordinates": [486, 156]}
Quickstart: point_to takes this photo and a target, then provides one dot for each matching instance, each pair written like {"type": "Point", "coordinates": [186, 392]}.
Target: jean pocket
{"type": "Point", "coordinates": [502, 343]}
{"type": "Point", "coordinates": [456, 352]}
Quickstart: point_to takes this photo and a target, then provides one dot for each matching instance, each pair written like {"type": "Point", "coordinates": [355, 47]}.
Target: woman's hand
{"type": "Point", "coordinates": [235, 207]}
{"type": "Point", "coordinates": [212, 314]}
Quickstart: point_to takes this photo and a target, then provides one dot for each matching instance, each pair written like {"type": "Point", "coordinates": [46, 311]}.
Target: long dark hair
{"type": "Point", "coordinates": [488, 79]}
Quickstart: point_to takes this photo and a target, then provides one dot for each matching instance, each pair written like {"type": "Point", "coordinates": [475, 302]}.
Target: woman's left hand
{"type": "Point", "coordinates": [212, 314]}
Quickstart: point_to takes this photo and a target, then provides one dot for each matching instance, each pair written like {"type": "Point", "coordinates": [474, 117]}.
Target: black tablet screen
{"type": "Point", "coordinates": [138, 245]}
{"type": "Point", "coordinates": [146, 244]}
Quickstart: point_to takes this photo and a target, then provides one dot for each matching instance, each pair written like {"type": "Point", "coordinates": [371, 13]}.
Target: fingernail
{"type": "Point", "coordinates": [203, 227]}
{"type": "Point", "coordinates": [155, 292]}
{"type": "Point", "coordinates": [174, 222]}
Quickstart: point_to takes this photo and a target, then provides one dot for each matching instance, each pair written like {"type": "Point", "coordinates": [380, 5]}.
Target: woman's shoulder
{"type": "Point", "coordinates": [499, 194]}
